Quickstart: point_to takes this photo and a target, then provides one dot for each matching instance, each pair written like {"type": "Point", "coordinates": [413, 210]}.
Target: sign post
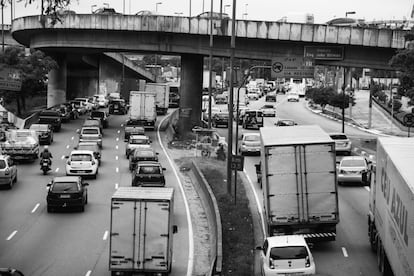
{"type": "Point", "coordinates": [408, 120]}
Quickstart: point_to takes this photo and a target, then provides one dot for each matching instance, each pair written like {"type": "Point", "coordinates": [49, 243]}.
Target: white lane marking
{"type": "Point", "coordinates": [117, 169]}
{"type": "Point", "coordinates": [67, 146]}
{"type": "Point", "coordinates": [117, 139]}
{"type": "Point", "coordinates": [73, 137]}
{"type": "Point", "coordinates": [116, 157]}
{"type": "Point", "coordinates": [57, 169]}
{"type": "Point", "coordinates": [187, 208]}
{"type": "Point", "coordinates": [63, 157]}
{"type": "Point", "coordinates": [11, 235]}
{"type": "Point", "coordinates": [259, 206]}
{"type": "Point", "coordinates": [116, 186]}
{"type": "Point", "coordinates": [116, 147]}
{"type": "Point", "coordinates": [105, 236]}
{"type": "Point", "coordinates": [344, 252]}
{"type": "Point", "coordinates": [88, 273]}
{"type": "Point", "coordinates": [35, 208]}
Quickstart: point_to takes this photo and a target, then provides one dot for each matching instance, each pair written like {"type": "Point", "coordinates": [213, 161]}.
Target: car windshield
{"type": "Point", "coordinates": [139, 141]}
{"type": "Point", "coordinates": [149, 170]}
{"type": "Point", "coordinates": [288, 253]}
{"type": "Point", "coordinates": [268, 106]}
{"type": "Point", "coordinates": [251, 138]}
{"type": "Point", "coordinates": [144, 153]}
{"type": "Point", "coordinates": [90, 131]}
{"type": "Point", "coordinates": [81, 157]}
{"type": "Point", "coordinates": [353, 163]}
{"type": "Point", "coordinates": [2, 164]}
{"type": "Point", "coordinates": [339, 137]}
{"type": "Point", "coordinates": [65, 187]}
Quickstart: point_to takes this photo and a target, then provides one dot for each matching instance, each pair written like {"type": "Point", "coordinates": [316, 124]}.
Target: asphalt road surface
{"type": "Point", "coordinates": [75, 243]}
{"type": "Point", "coordinates": [350, 254]}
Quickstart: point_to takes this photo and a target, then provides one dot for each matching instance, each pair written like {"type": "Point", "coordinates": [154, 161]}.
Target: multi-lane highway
{"type": "Point", "coordinates": [74, 243]}
{"type": "Point", "coordinates": [350, 254]}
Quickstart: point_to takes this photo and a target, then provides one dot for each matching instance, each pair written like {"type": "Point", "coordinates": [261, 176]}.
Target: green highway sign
{"type": "Point", "coordinates": [291, 67]}
{"type": "Point", "coordinates": [324, 52]}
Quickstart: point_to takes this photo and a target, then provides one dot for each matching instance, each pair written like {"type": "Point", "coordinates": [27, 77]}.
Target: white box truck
{"type": "Point", "coordinates": [141, 231]}
{"type": "Point", "coordinates": [298, 175]}
{"type": "Point", "coordinates": [162, 91]}
{"type": "Point", "coordinates": [206, 79]}
{"type": "Point", "coordinates": [142, 110]}
{"type": "Point", "coordinates": [391, 206]}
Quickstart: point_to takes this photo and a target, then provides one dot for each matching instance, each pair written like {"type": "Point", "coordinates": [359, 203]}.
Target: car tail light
{"type": "Point", "coordinates": [93, 163]}
{"type": "Point", "coordinates": [100, 136]}
{"type": "Point", "coordinates": [271, 264]}
{"type": "Point", "coordinates": [7, 171]}
{"type": "Point", "coordinates": [342, 171]}
{"type": "Point", "coordinates": [307, 263]}
{"type": "Point", "coordinates": [68, 163]}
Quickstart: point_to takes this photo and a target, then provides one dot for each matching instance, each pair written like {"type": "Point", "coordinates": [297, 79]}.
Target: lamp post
{"type": "Point", "coordinates": [189, 12]}
{"type": "Point", "coordinates": [245, 11]}
{"type": "Point", "coordinates": [156, 6]}
{"type": "Point", "coordinates": [349, 12]}
{"type": "Point", "coordinates": [210, 65]}
{"type": "Point", "coordinates": [2, 25]}
{"type": "Point", "coordinates": [226, 6]}
{"type": "Point", "coordinates": [178, 13]}
{"type": "Point", "coordinates": [93, 6]}
{"type": "Point", "coordinates": [106, 4]}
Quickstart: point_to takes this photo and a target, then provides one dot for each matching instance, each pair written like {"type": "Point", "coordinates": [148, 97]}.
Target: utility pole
{"type": "Point", "coordinates": [230, 128]}
{"type": "Point", "coordinates": [343, 100]}
{"type": "Point", "coordinates": [210, 65]}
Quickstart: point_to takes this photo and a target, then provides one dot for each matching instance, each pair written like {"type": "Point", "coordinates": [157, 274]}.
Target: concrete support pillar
{"type": "Point", "coordinates": [56, 86]}
{"type": "Point", "coordinates": [191, 86]}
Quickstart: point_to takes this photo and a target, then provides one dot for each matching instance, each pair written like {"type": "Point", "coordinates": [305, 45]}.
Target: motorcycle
{"type": "Point", "coordinates": [221, 155]}
{"type": "Point", "coordinates": [45, 166]}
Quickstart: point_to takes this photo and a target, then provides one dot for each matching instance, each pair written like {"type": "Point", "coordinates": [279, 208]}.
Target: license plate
{"type": "Point", "coordinates": [64, 196]}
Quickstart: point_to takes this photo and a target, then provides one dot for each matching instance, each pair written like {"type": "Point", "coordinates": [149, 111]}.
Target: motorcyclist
{"type": "Point", "coordinates": [46, 154]}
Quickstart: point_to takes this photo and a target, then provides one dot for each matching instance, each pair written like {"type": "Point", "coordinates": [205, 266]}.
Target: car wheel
{"type": "Point", "coordinates": [10, 186]}
{"type": "Point", "coordinates": [82, 208]}
{"type": "Point", "coordinates": [95, 175]}
{"type": "Point", "coordinates": [86, 199]}
{"type": "Point", "coordinates": [49, 209]}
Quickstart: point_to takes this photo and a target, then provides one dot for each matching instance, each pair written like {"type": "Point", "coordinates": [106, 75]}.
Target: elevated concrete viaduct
{"type": "Point", "coordinates": [189, 37]}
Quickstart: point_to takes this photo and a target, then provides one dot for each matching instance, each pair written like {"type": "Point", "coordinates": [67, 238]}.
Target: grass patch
{"type": "Point", "coordinates": [236, 219]}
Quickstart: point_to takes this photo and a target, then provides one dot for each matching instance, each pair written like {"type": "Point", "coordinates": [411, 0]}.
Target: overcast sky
{"type": "Point", "coordinates": [266, 10]}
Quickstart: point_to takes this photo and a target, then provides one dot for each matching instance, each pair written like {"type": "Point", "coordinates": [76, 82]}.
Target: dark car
{"type": "Point", "coordinates": [117, 107]}
{"type": "Point", "coordinates": [73, 112]}
{"type": "Point", "coordinates": [100, 115]}
{"type": "Point", "coordinates": [149, 174]}
{"type": "Point", "coordinates": [270, 97]}
{"type": "Point", "coordinates": [10, 272]}
{"type": "Point", "coordinates": [140, 155]}
{"type": "Point", "coordinates": [64, 113]}
{"type": "Point", "coordinates": [221, 118]}
{"type": "Point", "coordinates": [45, 132]}
{"type": "Point", "coordinates": [66, 192]}
{"type": "Point", "coordinates": [52, 117]}
{"type": "Point", "coordinates": [93, 146]}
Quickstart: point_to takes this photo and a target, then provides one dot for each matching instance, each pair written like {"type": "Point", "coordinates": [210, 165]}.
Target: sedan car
{"type": "Point", "coordinates": [135, 142]}
{"type": "Point", "coordinates": [140, 155]}
{"type": "Point", "coordinates": [8, 171]}
{"type": "Point", "coordinates": [285, 122]}
{"type": "Point", "coordinates": [149, 174]}
{"type": "Point", "coordinates": [93, 146]}
{"type": "Point", "coordinates": [102, 100]}
{"type": "Point", "coordinates": [353, 169]}
{"type": "Point", "coordinates": [253, 96]}
{"type": "Point", "coordinates": [286, 255]}
{"type": "Point", "coordinates": [268, 110]}
{"type": "Point", "coordinates": [102, 116]}
{"type": "Point", "coordinates": [221, 119]}
{"type": "Point", "coordinates": [249, 143]}
{"type": "Point", "coordinates": [82, 163]}
{"type": "Point", "coordinates": [117, 106]}
{"type": "Point", "coordinates": [45, 132]}
{"type": "Point", "coordinates": [342, 143]}
{"type": "Point", "coordinates": [66, 192]}
{"type": "Point", "coordinates": [293, 97]}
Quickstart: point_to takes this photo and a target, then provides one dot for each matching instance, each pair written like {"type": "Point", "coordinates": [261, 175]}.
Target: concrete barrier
{"type": "Point", "coordinates": [213, 214]}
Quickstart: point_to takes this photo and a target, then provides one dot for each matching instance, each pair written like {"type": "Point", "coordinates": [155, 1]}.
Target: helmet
{"type": "Point", "coordinates": [46, 148]}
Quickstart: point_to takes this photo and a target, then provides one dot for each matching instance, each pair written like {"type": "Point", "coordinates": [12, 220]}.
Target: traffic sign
{"type": "Point", "coordinates": [291, 67]}
{"type": "Point", "coordinates": [408, 119]}
{"type": "Point", "coordinates": [237, 162]}
{"type": "Point", "coordinates": [324, 52]}
{"type": "Point", "coordinates": [10, 79]}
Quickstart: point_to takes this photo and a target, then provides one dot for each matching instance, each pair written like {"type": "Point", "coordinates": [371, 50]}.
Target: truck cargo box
{"type": "Point", "coordinates": [141, 230]}
{"type": "Point", "coordinates": [299, 181]}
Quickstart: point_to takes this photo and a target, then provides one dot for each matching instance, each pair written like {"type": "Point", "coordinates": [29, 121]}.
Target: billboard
{"type": "Point", "coordinates": [10, 79]}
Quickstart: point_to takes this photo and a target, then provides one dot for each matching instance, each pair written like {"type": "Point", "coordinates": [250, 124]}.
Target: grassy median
{"type": "Point", "coordinates": [238, 236]}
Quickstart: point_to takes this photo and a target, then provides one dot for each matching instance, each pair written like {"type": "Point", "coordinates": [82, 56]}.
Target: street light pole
{"type": "Point", "coordinates": [93, 6]}
{"type": "Point", "coordinates": [156, 6]}
{"type": "Point", "coordinates": [2, 26]}
{"type": "Point", "coordinates": [210, 65]}
{"type": "Point", "coordinates": [350, 12]}
{"type": "Point", "coordinates": [230, 128]}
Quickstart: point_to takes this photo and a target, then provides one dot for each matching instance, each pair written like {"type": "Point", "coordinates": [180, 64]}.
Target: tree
{"type": "Point", "coordinates": [338, 100]}
{"type": "Point", "coordinates": [34, 69]}
{"type": "Point", "coordinates": [322, 96]}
